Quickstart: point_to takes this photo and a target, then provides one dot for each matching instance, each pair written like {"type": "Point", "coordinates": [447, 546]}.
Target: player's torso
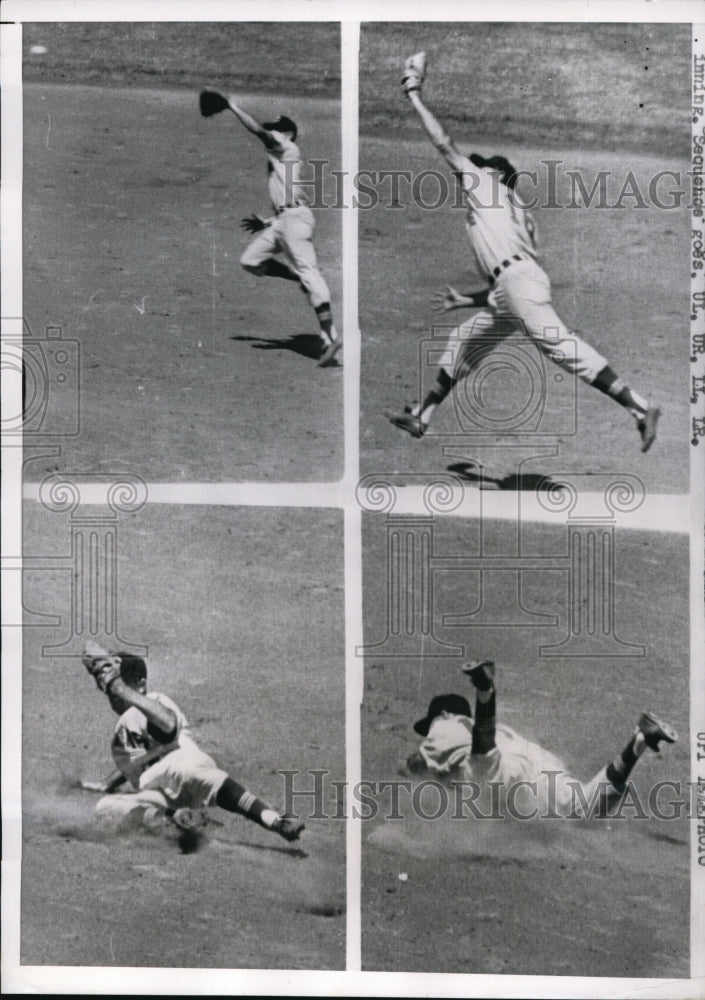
{"type": "Point", "coordinates": [285, 180]}
{"type": "Point", "coordinates": [135, 748]}
{"type": "Point", "coordinates": [499, 226]}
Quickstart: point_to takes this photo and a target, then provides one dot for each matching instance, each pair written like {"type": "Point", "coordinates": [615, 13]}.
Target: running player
{"type": "Point", "coordinates": [289, 232]}
{"type": "Point", "coordinates": [502, 236]}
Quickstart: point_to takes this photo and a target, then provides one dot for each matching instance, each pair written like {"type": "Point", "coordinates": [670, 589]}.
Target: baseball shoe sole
{"type": "Point", "coordinates": [329, 352]}
{"type": "Point", "coordinates": [654, 731]}
{"type": "Point", "coordinates": [407, 422]}
{"type": "Point", "coordinates": [647, 427]}
{"type": "Point", "coordinates": [289, 829]}
{"type": "Point", "coordinates": [481, 671]}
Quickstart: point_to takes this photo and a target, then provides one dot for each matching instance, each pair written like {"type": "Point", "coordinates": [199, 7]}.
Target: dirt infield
{"type": "Point", "coordinates": [543, 898]}
{"type": "Point", "coordinates": [190, 369]}
{"type": "Point", "coordinates": [620, 276]}
{"type": "Point", "coordinates": [262, 694]}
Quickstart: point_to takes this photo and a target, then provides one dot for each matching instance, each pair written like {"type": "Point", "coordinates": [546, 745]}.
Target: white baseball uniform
{"type": "Point", "coordinates": [502, 235]}
{"type": "Point", "coordinates": [164, 775]}
{"type": "Point", "coordinates": [291, 230]}
{"type": "Point", "coordinates": [447, 754]}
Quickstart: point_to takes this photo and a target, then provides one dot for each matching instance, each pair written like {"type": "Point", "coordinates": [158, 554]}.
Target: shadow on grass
{"type": "Point", "coordinates": [472, 473]}
{"type": "Point", "coordinates": [306, 344]}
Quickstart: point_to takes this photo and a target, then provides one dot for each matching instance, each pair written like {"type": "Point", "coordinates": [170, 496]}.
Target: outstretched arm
{"type": "Point", "coordinates": [252, 125]}
{"type": "Point", "coordinates": [158, 715]}
{"type": "Point", "coordinates": [437, 134]}
{"type": "Point", "coordinates": [450, 298]}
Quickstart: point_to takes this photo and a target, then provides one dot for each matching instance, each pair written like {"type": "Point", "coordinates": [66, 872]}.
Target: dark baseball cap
{"type": "Point", "coordinates": [453, 703]}
{"type": "Point", "coordinates": [133, 669]}
{"type": "Point", "coordinates": [499, 163]}
{"type": "Point", "coordinates": [282, 124]}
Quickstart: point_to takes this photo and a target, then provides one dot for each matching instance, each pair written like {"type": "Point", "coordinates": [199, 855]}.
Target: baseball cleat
{"type": "Point", "coordinates": [328, 352]}
{"type": "Point", "coordinates": [647, 427]}
{"type": "Point", "coordinates": [407, 422]}
{"type": "Point", "coordinates": [289, 829]}
{"type": "Point", "coordinates": [190, 819]}
{"type": "Point", "coordinates": [480, 672]}
{"type": "Point", "coordinates": [654, 731]}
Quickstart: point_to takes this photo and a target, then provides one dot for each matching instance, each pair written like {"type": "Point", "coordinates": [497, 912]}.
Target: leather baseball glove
{"type": "Point", "coordinates": [211, 103]}
{"type": "Point", "coordinates": [414, 72]}
{"type": "Point", "coordinates": [103, 668]}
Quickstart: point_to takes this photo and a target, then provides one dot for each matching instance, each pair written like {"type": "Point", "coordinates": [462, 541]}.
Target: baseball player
{"type": "Point", "coordinates": [289, 232]}
{"type": "Point", "coordinates": [483, 752]}
{"type": "Point", "coordinates": [502, 235]}
{"type": "Point", "coordinates": [172, 779]}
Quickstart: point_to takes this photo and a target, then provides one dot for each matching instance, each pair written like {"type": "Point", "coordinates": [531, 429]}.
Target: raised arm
{"type": "Point", "coordinates": [437, 134]}
{"type": "Point", "coordinates": [252, 125]}
{"type": "Point", "coordinates": [158, 715]}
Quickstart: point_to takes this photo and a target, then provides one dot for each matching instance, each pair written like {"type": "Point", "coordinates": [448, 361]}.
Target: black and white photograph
{"type": "Point", "coordinates": [352, 372]}
{"type": "Point", "coordinates": [525, 306]}
{"type": "Point", "coordinates": [525, 720]}
{"type": "Point", "coordinates": [172, 255]}
{"type": "Point", "coordinates": [161, 821]}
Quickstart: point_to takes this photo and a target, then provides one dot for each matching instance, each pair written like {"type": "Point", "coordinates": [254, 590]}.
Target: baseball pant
{"type": "Point", "coordinates": [291, 234]}
{"type": "Point", "coordinates": [186, 777]}
{"type": "Point", "coordinates": [520, 300]}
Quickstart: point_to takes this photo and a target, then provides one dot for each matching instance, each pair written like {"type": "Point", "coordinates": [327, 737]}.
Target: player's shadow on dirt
{"type": "Point", "coordinates": [306, 344]}
{"type": "Point", "coordinates": [472, 473]}
{"type": "Point", "coordinates": [292, 852]}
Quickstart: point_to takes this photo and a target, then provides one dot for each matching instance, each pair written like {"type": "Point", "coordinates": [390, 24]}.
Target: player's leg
{"type": "Point", "coordinates": [610, 783]}
{"type": "Point", "coordinates": [525, 291]}
{"type": "Point", "coordinates": [129, 810]}
{"type": "Point", "coordinates": [259, 256]}
{"type": "Point", "coordinates": [465, 348]}
{"type": "Point", "coordinates": [237, 799]}
{"type": "Point", "coordinates": [297, 240]}
{"type": "Point", "coordinates": [485, 726]}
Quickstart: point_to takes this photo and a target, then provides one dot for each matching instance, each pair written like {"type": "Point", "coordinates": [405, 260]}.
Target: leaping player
{"type": "Point", "coordinates": [289, 232]}
{"type": "Point", "coordinates": [502, 236]}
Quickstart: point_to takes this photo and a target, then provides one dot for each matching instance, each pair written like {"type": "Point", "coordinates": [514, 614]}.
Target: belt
{"type": "Point", "coordinates": [503, 266]}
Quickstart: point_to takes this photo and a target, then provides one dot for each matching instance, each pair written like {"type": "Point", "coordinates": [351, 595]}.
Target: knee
{"type": "Point", "coordinates": [252, 268]}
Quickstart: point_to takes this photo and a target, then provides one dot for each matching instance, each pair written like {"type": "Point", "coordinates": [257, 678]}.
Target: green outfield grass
{"type": "Point", "coordinates": [623, 86]}
{"type": "Point", "coordinates": [189, 55]}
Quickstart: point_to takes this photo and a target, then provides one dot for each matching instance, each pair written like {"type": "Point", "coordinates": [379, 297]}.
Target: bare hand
{"type": "Point", "coordinates": [449, 298]}
{"type": "Point", "coordinates": [254, 223]}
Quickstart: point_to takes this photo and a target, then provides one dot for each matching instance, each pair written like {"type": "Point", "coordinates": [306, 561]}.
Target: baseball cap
{"type": "Point", "coordinates": [133, 669]}
{"type": "Point", "coordinates": [282, 124]}
{"type": "Point", "coordinates": [453, 703]}
{"type": "Point", "coordinates": [499, 163]}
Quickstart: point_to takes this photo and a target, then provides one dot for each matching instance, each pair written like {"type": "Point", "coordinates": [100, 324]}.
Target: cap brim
{"type": "Point", "coordinates": [422, 726]}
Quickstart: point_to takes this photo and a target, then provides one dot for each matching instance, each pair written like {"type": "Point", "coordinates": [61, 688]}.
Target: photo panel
{"type": "Point", "coordinates": [526, 283]}
{"type": "Point", "coordinates": [514, 820]}
{"type": "Point", "coordinates": [154, 228]}
{"type": "Point", "coordinates": [238, 615]}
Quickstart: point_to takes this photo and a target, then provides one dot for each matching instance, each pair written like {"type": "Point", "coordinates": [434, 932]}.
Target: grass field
{"type": "Point", "coordinates": [262, 693]}
{"type": "Point", "coordinates": [601, 86]}
{"type": "Point", "coordinates": [296, 59]}
{"type": "Point", "coordinates": [595, 899]}
{"type": "Point", "coordinates": [190, 368]}
{"type": "Point", "coordinates": [564, 93]}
